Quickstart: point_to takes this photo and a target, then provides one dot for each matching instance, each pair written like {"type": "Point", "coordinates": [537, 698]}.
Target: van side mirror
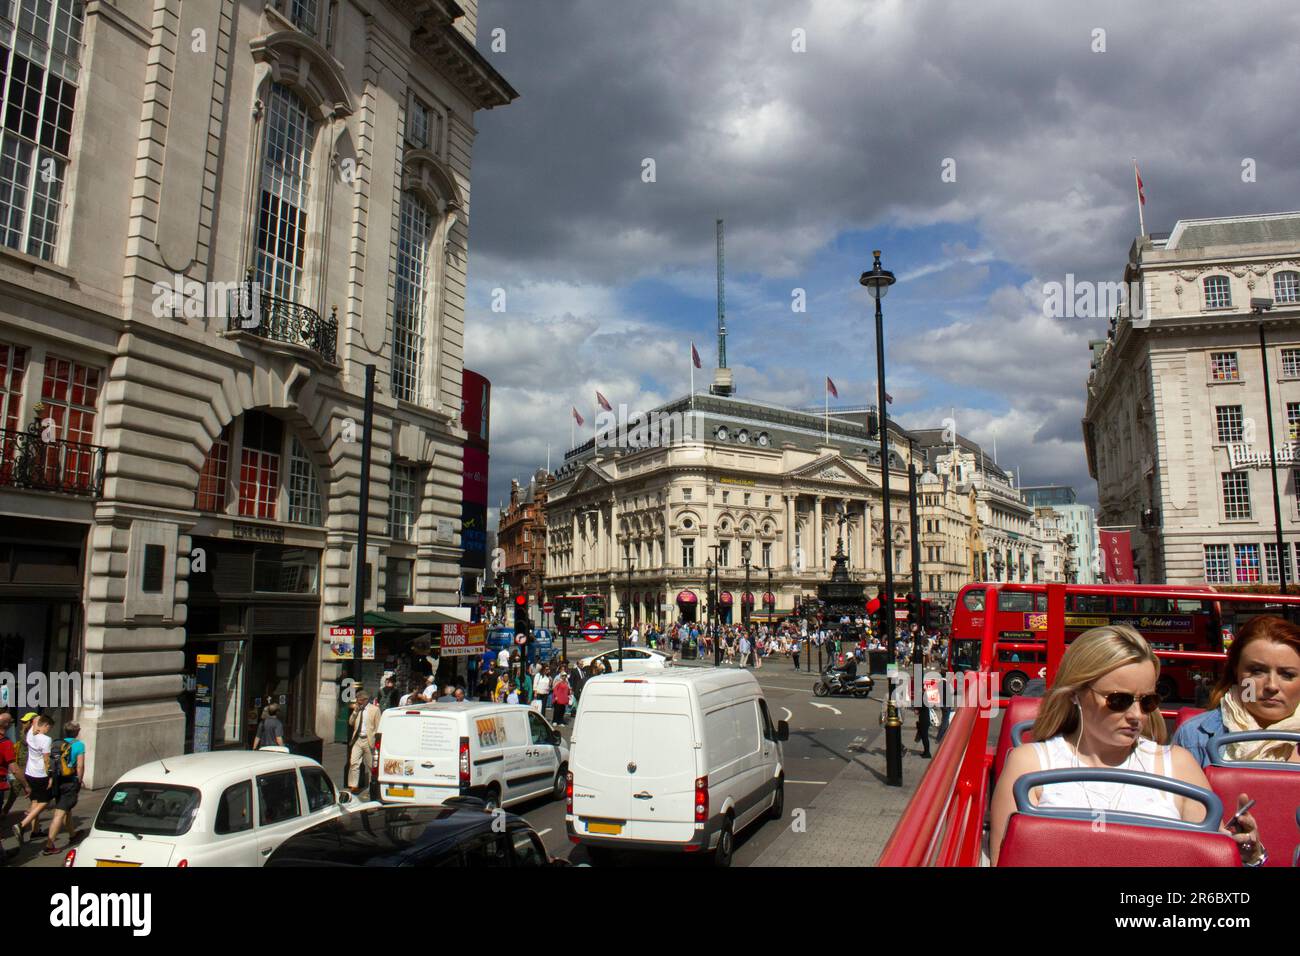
{"type": "Point", "coordinates": [344, 798]}
{"type": "Point", "coordinates": [782, 730]}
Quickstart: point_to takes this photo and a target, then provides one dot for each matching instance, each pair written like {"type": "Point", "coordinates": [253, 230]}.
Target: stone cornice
{"type": "Point", "coordinates": [446, 49]}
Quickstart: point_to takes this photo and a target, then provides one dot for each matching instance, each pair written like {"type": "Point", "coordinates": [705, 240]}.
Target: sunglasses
{"type": "Point", "coordinates": [1120, 701]}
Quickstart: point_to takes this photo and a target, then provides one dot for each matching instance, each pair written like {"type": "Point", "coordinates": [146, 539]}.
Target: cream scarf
{"type": "Point", "coordinates": [1237, 719]}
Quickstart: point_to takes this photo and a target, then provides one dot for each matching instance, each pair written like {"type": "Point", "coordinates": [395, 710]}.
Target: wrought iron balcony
{"type": "Point", "coordinates": [283, 321]}
{"type": "Point", "coordinates": [65, 467]}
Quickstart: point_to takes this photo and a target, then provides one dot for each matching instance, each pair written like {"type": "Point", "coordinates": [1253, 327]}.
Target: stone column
{"type": "Point", "coordinates": [816, 551]}
{"type": "Point", "coordinates": [789, 532]}
{"type": "Point", "coordinates": [866, 535]}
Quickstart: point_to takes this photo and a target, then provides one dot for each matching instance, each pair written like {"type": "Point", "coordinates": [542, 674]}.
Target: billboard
{"type": "Point", "coordinates": [476, 399]}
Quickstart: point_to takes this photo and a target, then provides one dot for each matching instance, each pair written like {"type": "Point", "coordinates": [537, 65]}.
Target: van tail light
{"type": "Point", "coordinates": [568, 792]}
{"type": "Point", "coordinates": [183, 864]}
{"type": "Point", "coordinates": [464, 761]}
{"type": "Point", "coordinates": [70, 858]}
{"type": "Point", "coordinates": [379, 738]}
{"type": "Point", "coordinates": [701, 799]}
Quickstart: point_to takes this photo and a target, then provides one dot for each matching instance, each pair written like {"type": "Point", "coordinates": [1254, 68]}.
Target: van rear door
{"type": "Point", "coordinates": [419, 757]}
{"type": "Point", "coordinates": [662, 770]}
{"type": "Point", "coordinates": [602, 750]}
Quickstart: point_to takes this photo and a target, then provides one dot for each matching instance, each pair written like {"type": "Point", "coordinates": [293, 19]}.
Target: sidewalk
{"type": "Point", "coordinates": [850, 820]}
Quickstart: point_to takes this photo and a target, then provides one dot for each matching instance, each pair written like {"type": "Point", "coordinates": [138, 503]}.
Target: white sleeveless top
{"type": "Point", "coordinates": [1147, 757]}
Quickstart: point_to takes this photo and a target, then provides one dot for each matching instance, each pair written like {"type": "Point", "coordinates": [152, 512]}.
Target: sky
{"type": "Point", "coordinates": [985, 148]}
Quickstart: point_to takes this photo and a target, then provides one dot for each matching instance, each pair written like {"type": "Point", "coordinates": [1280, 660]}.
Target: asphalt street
{"type": "Point", "coordinates": [825, 735]}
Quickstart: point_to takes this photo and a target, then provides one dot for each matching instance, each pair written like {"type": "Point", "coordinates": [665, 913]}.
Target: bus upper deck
{"type": "Point", "coordinates": [945, 822]}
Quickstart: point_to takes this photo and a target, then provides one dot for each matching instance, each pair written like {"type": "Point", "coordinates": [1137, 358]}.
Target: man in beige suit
{"type": "Point", "coordinates": [363, 725]}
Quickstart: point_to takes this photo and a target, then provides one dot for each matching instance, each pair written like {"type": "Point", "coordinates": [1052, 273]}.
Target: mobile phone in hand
{"type": "Point", "coordinates": [1233, 823]}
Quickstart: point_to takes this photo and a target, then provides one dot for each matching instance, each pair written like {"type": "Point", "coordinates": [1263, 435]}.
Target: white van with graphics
{"type": "Point", "coordinates": [680, 759]}
{"type": "Point", "coordinates": [503, 753]}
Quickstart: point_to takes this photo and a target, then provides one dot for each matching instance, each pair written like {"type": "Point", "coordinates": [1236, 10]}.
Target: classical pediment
{"type": "Point", "coordinates": [831, 468]}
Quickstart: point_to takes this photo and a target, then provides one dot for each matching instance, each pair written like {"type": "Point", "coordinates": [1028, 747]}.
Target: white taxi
{"type": "Point", "coordinates": [227, 808]}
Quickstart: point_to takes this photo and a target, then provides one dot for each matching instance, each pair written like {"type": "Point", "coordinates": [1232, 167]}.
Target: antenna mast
{"type": "Point", "coordinates": [722, 381]}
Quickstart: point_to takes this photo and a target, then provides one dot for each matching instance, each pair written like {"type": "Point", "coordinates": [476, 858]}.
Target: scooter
{"type": "Point", "coordinates": [836, 683]}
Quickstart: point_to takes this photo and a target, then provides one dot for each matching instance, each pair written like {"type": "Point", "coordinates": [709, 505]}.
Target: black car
{"type": "Point", "coordinates": [457, 834]}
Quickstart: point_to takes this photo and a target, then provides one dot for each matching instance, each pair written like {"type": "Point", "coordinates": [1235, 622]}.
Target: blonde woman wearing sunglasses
{"type": "Point", "coordinates": [1103, 711]}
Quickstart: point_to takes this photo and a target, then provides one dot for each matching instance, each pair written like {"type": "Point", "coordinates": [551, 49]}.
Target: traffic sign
{"type": "Point", "coordinates": [548, 607]}
{"type": "Point", "coordinates": [593, 631]}
{"type": "Point", "coordinates": [521, 638]}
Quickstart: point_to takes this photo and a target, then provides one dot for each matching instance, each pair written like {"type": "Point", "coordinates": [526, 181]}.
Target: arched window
{"type": "Point", "coordinates": [409, 295]}
{"type": "Point", "coordinates": [285, 188]}
{"type": "Point", "coordinates": [1286, 287]}
{"type": "Point", "coordinates": [1217, 295]}
{"type": "Point", "coordinates": [304, 492]}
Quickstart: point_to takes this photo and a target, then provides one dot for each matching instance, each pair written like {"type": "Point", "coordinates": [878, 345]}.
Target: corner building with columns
{"type": "Point", "coordinates": [179, 484]}
{"type": "Point", "coordinates": [741, 480]}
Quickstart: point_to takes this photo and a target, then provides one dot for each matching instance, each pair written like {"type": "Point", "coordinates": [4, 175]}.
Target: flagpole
{"type": "Point", "coordinates": [827, 395]}
{"type": "Point", "coordinates": [1142, 226]}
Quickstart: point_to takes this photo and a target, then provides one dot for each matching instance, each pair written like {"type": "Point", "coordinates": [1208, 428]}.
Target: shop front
{"type": "Point", "coordinates": [250, 638]}
{"type": "Point", "coordinates": [41, 620]}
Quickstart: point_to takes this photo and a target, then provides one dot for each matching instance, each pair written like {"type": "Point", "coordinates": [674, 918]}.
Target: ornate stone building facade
{"type": "Point", "coordinates": [521, 535]}
{"type": "Point", "coordinates": [746, 481]}
{"type": "Point", "coordinates": [1176, 419]}
{"type": "Point", "coordinates": [179, 493]}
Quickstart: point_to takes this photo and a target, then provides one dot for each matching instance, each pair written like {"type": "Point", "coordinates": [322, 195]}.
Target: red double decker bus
{"type": "Point", "coordinates": [1169, 623]}
{"type": "Point", "coordinates": [582, 608]}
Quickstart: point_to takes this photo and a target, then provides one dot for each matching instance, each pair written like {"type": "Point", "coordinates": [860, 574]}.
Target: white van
{"type": "Point", "coordinates": [504, 753]}
{"type": "Point", "coordinates": [680, 759]}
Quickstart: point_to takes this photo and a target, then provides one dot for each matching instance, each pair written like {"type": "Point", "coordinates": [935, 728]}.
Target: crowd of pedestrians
{"type": "Point", "coordinates": [47, 770]}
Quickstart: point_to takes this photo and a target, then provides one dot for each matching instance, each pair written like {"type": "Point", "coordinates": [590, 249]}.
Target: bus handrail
{"type": "Point", "coordinates": [914, 838]}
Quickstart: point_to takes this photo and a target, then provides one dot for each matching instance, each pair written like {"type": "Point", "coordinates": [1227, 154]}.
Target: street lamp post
{"type": "Point", "coordinates": [619, 616]}
{"type": "Point", "coordinates": [877, 282]}
{"type": "Point", "coordinates": [1258, 307]}
{"type": "Point", "coordinates": [716, 563]}
{"type": "Point", "coordinates": [631, 564]}
{"type": "Point", "coordinates": [998, 565]}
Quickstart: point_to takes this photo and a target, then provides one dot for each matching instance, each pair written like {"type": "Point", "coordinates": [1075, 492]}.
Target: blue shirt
{"type": "Point", "coordinates": [1197, 733]}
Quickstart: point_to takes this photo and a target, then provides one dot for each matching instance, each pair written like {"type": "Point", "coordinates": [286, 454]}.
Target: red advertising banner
{"type": "Point", "coordinates": [476, 400]}
{"type": "Point", "coordinates": [1118, 550]}
{"type": "Point", "coordinates": [474, 483]}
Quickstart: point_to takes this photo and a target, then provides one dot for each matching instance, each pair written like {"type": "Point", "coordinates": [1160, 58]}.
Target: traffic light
{"type": "Point", "coordinates": [913, 608]}
{"type": "Point", "coordinates": [522, 624]}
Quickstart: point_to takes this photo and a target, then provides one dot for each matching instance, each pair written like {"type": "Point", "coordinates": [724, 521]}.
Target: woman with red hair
{"type": "Point", "coordinates": [1259, 689]}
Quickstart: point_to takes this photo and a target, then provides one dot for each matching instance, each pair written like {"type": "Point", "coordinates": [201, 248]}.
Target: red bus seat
{"type": "Point", "coordinates": [1185, 714]}
{"type": "Point", "coordinates": [1273, 784]}
{"type": "Point", "coordinates": [1064, 836]}
{"type": "Point", "coordinates": [1018, 710]}
{"type": "Point", "coordinates": [1037, 841]}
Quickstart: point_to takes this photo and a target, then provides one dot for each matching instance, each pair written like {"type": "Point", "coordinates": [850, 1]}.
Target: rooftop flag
{"type": "Point", "coordinates": [830, 387]}
{"type": "Point", "coordinates": [604, 402]}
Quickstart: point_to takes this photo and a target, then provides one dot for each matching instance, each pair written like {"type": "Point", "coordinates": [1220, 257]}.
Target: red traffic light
{"type": "Point", "coordinates": [521, 600]}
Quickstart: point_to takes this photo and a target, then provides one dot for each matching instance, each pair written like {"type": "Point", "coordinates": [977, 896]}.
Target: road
{"type": "Point", "coordinates": [822, 741]}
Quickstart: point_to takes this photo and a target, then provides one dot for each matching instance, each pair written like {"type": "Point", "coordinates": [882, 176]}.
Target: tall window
{"type": "Point", "coordinates": [1270, 563]}
{"type": "Point", "coordinates": [1227, 420]}
{"type": "Point", "coordinates": [1291, 363]}
{"type": "Point", "coordinates": [1246, 561]}
{"type": "Point", "coordinates": [282, 212]}
{"type": "Point", "coordinates": [1236, 494]}
{"type": "Point", "coordinates": [1217, 567]}
{"type": "Point", "coordinates": [1223, 367]}
{"type": "Point", "coordinates": [767, 554]}
{"type": "Point", "coordinates": [414, 235]}
{"type": "Point", "coordinates": [38, 92]}
{"type": "Point", "coordinates": [13, 363]}
{"type": "Point", "coordinates": [1292, 420]}
{"type": "Point", "coordinates": [1286, 287]}
{"type": "Point", "coordinates": [71, 393]}
{"type": "Point", "coordinates": [304, 493]}
{"type": "Point", "coordinates": [423, 124]}
{"type": "Point", "coordinates": [305, 15]}
{"type": "Point", "coordinates": [403, 502]}
{"type": "Point", "coordinates": [688, 552]}
{"type": "Point", "coordinates": [1217, 295]}
{"type": "Point", "coordinates": [724, 554]}
{"type": "Point", "coordinates": [259, 465]}
{"type": "Point", "coordinates": [211, 495]}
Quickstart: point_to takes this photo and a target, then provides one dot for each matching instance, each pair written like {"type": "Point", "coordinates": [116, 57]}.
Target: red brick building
{"type": "Point", "coordinates": [521, 534]}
